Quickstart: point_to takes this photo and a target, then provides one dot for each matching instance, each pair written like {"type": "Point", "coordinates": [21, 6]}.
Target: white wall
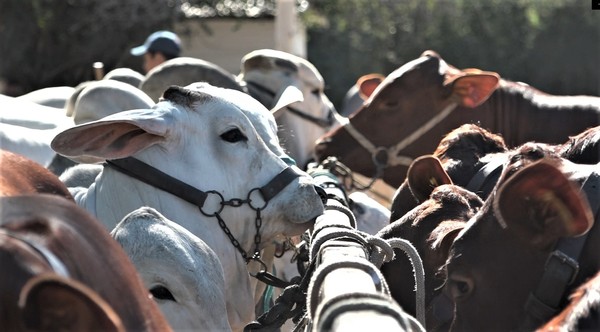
{"type": "Point", "coordinates": [225, 41]}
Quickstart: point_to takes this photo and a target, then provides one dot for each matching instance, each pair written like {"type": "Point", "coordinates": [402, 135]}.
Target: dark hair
{"type": "Point", "coordinates": [166, 55]}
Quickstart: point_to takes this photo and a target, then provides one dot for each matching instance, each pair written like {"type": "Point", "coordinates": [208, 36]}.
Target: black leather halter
{"type": "Point", "coordinates": [321, 122]}
{"type": "Point", "coordinates": [561, 267]}
{"type": "Point", "coordinates": [484, 181]}
{"type": "Point", "coordinates": [257, 199]}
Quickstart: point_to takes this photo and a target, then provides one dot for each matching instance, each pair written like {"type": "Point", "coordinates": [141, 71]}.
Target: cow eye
{"type": "Point", "coordinates": [233, 135]}
{"type": "Point", "coordinates": [316, 92]}
{"type": "Point", "coordinates": [162, 293]}
{"type": "Point", "coordinates": [459, 288]}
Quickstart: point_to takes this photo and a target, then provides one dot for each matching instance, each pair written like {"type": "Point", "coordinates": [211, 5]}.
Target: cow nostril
{"type": "Point", "coordinates": [162, 293]}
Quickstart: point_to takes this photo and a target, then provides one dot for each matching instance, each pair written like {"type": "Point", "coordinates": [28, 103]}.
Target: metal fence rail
{"type": "Point", "coordinates": [347, 292]}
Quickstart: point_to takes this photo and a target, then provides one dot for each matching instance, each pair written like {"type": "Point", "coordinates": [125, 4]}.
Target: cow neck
{"type": "Point", "coordinates": [561, 267]}
{"type": "Point", "coordinates": [389, 156]}
{"type": "Point", "coordinates": [321, 122]}
{"type": "Point", "coordinates": [257, 198]}
{"type": "Point", "coordinates": [55, 263]}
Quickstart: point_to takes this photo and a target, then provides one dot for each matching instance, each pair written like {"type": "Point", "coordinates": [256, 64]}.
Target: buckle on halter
{"type": "Point", "coordinates": [559, 261]}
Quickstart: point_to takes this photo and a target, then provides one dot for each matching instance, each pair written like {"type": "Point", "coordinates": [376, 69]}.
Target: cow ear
{"type": "Point", "coordinates": [425, 174]}
{"type": "Point", "coordinates": [287, 96]}
{"type": "Point", "coordinates": [443, 235]}
{"type": "Point", "coordinates": [472, 87]}
{"type": "Point", "coordinates": [117, 136]}
{"type": "Point", "coordinates": [52, 303]}
{"type": "Point", "coordinates": [368, 83]}
{"type": "Point", "coordinates": [541, 204]}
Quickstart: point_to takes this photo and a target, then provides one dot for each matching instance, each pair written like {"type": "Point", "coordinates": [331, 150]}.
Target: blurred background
{"type": "Point", "coordinates": [553, 45]}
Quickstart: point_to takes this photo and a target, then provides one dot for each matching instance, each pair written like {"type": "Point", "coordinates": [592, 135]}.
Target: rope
{"type": "Point", "coordinates": [418, 271]}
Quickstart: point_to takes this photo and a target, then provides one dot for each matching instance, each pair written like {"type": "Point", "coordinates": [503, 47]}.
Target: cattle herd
{"type": "Point", "coordinates": [149, 202]}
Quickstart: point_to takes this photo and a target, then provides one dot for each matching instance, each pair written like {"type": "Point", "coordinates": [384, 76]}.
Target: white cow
{"type": "Point", "coordinates": [183, 274]}
{"type": "Point", "coordinates": [98, 99]}
{"type": "Point", "coordinates": [55, 96]}
{"type": "Point", "coordinates": [213, 139]}
{"type": "Point", "coordinates": [26, 113]}
{"type": "Point", "coordinates": [125, 75]}
{"type": "Point", "coordinates": [267, 73]}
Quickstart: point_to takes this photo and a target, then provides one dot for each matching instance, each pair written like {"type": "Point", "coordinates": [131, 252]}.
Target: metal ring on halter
{"type": "Point", "coordinates": [250, 200]}
{"type": "Point", "coordinates": [216, 196]}
{"type": "Point", "coordinates": [255, 265]}
{"type": "Point", "coordinates": [380, 152]}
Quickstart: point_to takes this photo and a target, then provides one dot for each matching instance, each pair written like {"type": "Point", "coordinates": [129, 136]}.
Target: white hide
{"type": "Point", "coordinates": [212, 139]}
{"type": "Point", "coordinates": [97, 100]}
{"type": "Point", "coordinates": [25, 113]}
{"type": "Point", "coordinates": [125, 75]}
{"type": "Point", "coordinates": [80, 175]}
{"type": "Point", "coordinates": [275, 71]}
{"type": "Point", "coordinates": [55, 96]}
{"type": "Point", "coordinates": [105, 97]}
{"type": "Point", "coordinates": [31, 143]}
{"type": "Point", "coordinates": [172, 261]}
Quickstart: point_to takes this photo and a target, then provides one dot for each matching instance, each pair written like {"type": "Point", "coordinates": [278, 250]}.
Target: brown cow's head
{"type": "Point", "coordinates": [61, 270]}
{"type": "Point", "coordinates": [462, 152]}
{"type": "Point", "coordinates": [497, 260]}
{"type": "Point", "coordinates": [405, 100]}
{"type": "Point", "coordinates": [430, 227]}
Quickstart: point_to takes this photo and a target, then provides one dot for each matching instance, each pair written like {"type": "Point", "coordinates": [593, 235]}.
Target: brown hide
{"type": "Point", "coordinates": [462, 152]}
{"type": "Point", "coordinates": [498, 259]}
{"type": "Point", "coordinates": [430, 227]}
{"type": "Point", "coordinates": [583, 311]}
{"type": "Point", "coordinates": [22, 176]}
{"type": "Point", "coordinates": [417, 91]}
{"type": "Point", "coordinates": [91, 257]}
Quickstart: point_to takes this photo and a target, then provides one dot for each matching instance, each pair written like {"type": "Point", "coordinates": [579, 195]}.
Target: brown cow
{"type": "Point", "coordinates": [537, 219]}
{"type": "Point", "coordinates": [583, 312]}
{"type": "Point", "coordinates": [22, 176]}
{"type": "Point", "coordinates": [48, 247]}
{"type": "Point", "coordinates": [430, 227]}
{"type": "Point", "coordinates": [583, 148]}
{"type": "Point", "coordinates": [426, 98]}
{"type": "Point", "coordinates": [470, 155]}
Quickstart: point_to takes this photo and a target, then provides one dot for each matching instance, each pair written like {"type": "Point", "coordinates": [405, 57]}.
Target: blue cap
{"type": "Point", "coordinates": [163, 41]}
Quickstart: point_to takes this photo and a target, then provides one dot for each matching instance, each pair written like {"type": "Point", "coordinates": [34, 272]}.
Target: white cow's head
{"type": "Point", "coordinates": [267, 73]}
{"type": "Point", "coordinates": [213, 139]}
{"type": "Point", "coordinates": [183, 274]}
{"type": "Point", "coordinates": [210, 138]}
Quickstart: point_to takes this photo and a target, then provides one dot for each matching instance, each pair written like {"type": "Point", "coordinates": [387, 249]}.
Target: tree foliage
{"type": "Point", "coordinates": [553, 45]}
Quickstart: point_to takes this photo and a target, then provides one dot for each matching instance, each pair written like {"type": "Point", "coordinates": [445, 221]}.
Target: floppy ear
{"type": "Point", "coordinates": [117, 136]}
{"type": "Point", "coordinates": [472, 87]}
{"type": "Point", "coordinates": [287, 96]}
{"type": "Point", "coordinates": [52, 303]}
{"type": "Point", "coordinates": [541, 204]}
{"type": "Point", "coordinates": [425, 174]}
{"type": "Point", "coordinates": [368, 83]}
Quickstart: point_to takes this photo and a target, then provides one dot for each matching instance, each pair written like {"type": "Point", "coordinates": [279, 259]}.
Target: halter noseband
{"type": "Point", "coordinates": [384, 157]}
{"type": "Point", "coordinates": [257, 198]}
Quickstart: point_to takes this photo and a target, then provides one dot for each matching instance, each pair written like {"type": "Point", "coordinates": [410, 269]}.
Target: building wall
{"type": "Point", "coordinates": [224, 41]}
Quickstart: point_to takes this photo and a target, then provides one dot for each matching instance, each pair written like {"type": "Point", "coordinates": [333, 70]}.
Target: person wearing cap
{"type": "Point", "coordinates": [159, 47]}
